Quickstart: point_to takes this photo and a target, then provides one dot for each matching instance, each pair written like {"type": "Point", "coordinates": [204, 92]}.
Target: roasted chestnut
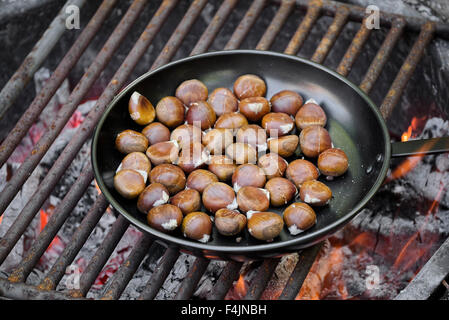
{"type": "Point", "coordinates": [254, 108]}
{"type": "Point", "coordinates": [165, 218]}
{"type": "Point", "coordinates": [197, 226]}
{"type": "Point", "coordinates": [222, 100]}
{"type": "Point", "coordinates": [169, 175]}
{"type": "Point", "coordinates": [170, 111]}
{"type": "Point", "coordinates": [163, 152]}
{"type": "Point", "coordinates": [249, 85]}
{"type": "Point", "coordinates": [253, 199]}
{"type": "Point", "coordinates": [199, 179]}
{"type": "Point", "coordinates": [233, 121]}
{"type": "Point", "coordinates": [248, 175]}
{"type": "Point", "coordinates": [273, 165]}
{"type": "Point", "coordinates": [201, 114]}
{"type": "Point", "coordinates": [216, 140]}
{"type": "Point", "coordinates": [299, 217]}
{"type": "Point", "coordinates": [131, 141]}
{"type": "Point", "coordinates": [154, 195]}
{"type": "Point", "coordinates": [129, 183]}
{"type": "Point", "coordinates": [242, 153]}
{"type": "Point", "coordinates": [284, 146]}
{"type": "Point", "coordinates": [193, 157]}
{"type": "Point", "coordinates": [136, 161]}
{"type": "Point", "coordinates": [191, 91]}
{"type": "Point", "coordinates": [229, 222]}
{"type": "Point", "coordinates": [222, 167]}
{"type": "Point", "coordinates": [156, 132]}
{"type": "Point", "coordinates": [265, 226]}
{"type": "Point", "coordinates": [281, 191]}
{"type": "Point", "coordinates": [300, 171]}
{"type": "Point", "coordinates": [277, 124]}
{"type": "Point", "coordinates": [254, 135]}
{"type": "Point", "coordinates": [188, 200]}
{"type": "Point", "coordinates": [186, 134]}
{"type": "Point", "coordinates": [311, 114]}
{"type": "Point", "coordinates": [286, 101]}
{"type": "Point", "coordinates": [218, 196]}
{"type": "Point", "coordinates": [140, 109]}
{"type": "Point", "coordinates": [333, 162]}
{"type": "Point", "coordinates": [314, 140]}
{"type": "Point", "coordinates": [315, 193]}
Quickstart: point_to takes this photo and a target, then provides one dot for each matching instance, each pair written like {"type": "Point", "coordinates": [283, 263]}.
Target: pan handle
{"type": "Point", "coordinates": [420, 147]}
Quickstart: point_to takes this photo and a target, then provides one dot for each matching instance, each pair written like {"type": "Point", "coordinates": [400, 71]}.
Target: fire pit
{"type": "Point", "coordinates": [59, 238]}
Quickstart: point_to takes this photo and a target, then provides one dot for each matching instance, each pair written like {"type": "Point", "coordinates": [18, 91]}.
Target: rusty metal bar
{"type": "Point", "coordinates": [407, 69]}
{"type": "Point", "coordinates": [245, 25]}
{"type": "Point", "coordinates": [34, 59]}
{"type": "Point", "coordinates": [276, 25]}
{"type": "Point", "coordinates": [313, 12]}
{"type": "Point", "coordinates": [294, 283]}
{"type": "Point", "coordinates": [190, 282]}
{"type": "Point", "coordinates": [214, 27]}
{"type": "Point", "coordinates": [383, 54]}
{"type": "Point", "coordinates": [225, 281]}
{"type": "Point", "coordinates": [52, 84]}
{"type": "Point", "coordinates": [328, 41]}
{"type": "Point", "coordinates": [259, 283]}
{"type": "Point", "coordinates": [126, 271]}
{"type": "Point", "coordinates": [161, 273]}
{"type": "Point", "coordinates": [77, 241]}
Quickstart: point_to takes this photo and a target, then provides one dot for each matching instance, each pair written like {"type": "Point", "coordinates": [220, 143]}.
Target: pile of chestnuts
{"type": "Point", "coordinates": [225, 153]}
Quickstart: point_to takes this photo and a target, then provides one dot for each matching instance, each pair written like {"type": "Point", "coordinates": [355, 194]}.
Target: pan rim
{"type": "Point", "coordinates": [303, 241]}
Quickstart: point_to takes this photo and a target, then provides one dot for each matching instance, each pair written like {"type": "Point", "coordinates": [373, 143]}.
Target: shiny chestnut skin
{"type": "Point", "coordinates": [286, 101]}
{"type": "Point", "coordinates": [242, 153]}
{"type": "Point", "coordinates": [300, 171]}
{"type": "Point", "coordinates": [154, 195]}
{"type": "Point", "coordinates": [201, 114]}
{"type": "Point", "coordinates": [165, 218]}
{"type": "Point", "coordinates": [265, 226]}
{"type": "Point", "coordinates": [140, 109]}
{"type": "Point", "coordinates": [249, 85]}
{"type": "Point", "coordinates": [315, 193]}
{"type": "Point", "coordinates": [197, 226]}
{"type": "Point", "coordinates": [163, 152]}
{"type": "Point", "coordinates": [156, 132]}
{"type": "Point", "coordinates": [333, 162]}
{"type": "Point", "coordinates": [136, 161]}
{"type": "Point", "coordinates": [277, 124]}
{"type": "Point", "coordinates": [186, 134]}
{"type": "Point", "coordinates": [222, 167]}
{"type": "Point", "coordinates": [169, 175]}
{"type": "Point", "coordinates": [192, 91]}
{"type": "Point", "coordinates": [254, 135]}
{"type": "Point", "coordinates": [131, 141]}
{"type": "Point", "coordinates": [216, 140]}
{"type": "Point", "coordinates": [314, 140]}
{"type": "Point", "coordinates": [218, 196]}
{"type": "Point", "coordinates": [170, 111]}
{"type": "Point", "coordinates": [253, 199]}
{"type": "Point", "coordinates": [233, 121]}
{"type": "Point", "coordinates": [199, 179]}
{"type": "Point", "coordinates": [281, 191]}
{"type": "Point", "coordinates": [129, 183]}
{"type": "Point", "coordinates": [229, 222]}
{"type": "Point", "coordinates": [222, 100]}
{"type": "Point", "coordinates": [284, 146]}
{"type": "Point", "coordinates": [310, 114]}
{"type": "Point", "coordinates": [254, 108]}
{"type": "Point", "coordinates": [248, 175]}
{"type": "Point", "coordinates": [299, 217]}
{"type": "Point", "coordinates": [193, 157]}
{"type": "Point", "coordinates": [273, 165]}
{"type": "Point", "coordinates": [188, 200]}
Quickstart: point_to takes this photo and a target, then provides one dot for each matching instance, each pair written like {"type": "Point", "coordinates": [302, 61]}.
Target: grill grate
{"type": "Point", "coordinates": [15, 286]}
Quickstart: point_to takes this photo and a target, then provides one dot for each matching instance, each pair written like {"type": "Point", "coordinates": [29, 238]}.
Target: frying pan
{"type": "Point", "coordinates": [354, 123]}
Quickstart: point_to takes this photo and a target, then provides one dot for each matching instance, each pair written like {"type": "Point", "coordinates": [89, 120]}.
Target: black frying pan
{"type": "Point", "coordinates": [354, 122]}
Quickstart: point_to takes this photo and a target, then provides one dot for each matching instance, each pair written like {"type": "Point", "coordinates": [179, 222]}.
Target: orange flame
{"type": "Point", "coordinates": [1, 218]}
{"type": "Point", "coordinates": [415, 124]}
{"type": "Point", "coordinates": [241, 287]}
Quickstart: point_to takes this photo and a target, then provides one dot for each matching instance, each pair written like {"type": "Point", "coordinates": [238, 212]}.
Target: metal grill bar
{"type": "Point", "coordinates": [190, 282]}
{"type": "Point", "coordinates": [226, 280]}
{"type": "Point", "coordinates": [52, 84]}
{"type": "Point", "coordinates": [34, 60]}
{"type": "Point", "coordinates": [259, 283]}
